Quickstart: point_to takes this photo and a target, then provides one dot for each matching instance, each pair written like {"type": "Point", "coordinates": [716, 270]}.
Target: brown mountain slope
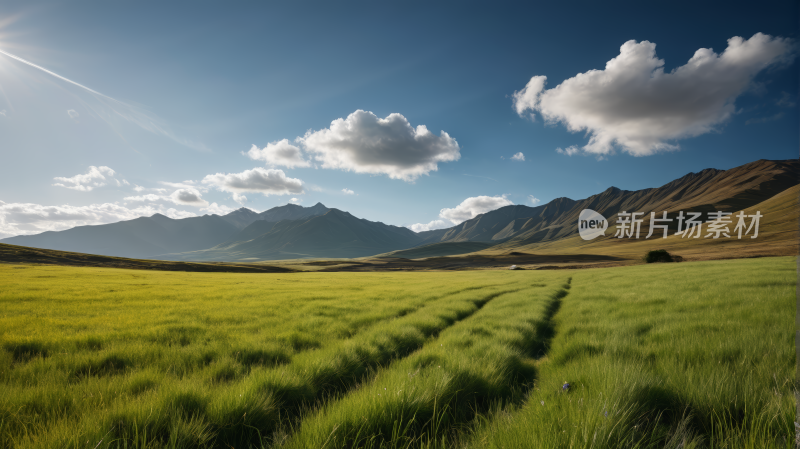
{"type": "Point", "coordinates": [502, 223]}
{"type": "Point", "coordinates": [706, 191]}
{"type": "Point", "coordinates": [778, 236]}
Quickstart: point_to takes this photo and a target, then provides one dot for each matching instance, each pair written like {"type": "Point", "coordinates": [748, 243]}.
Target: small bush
{"type": "Point", "coordinates": [659, 255]}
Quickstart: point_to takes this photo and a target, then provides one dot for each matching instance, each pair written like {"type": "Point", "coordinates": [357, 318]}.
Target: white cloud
{"type": "Point", "coordinates": [73, 114]}
{"type": "Point", "coordinates": [472, 207]}
{"type": "Point", "coordinates": [635, 105]}
{"type": "Point", "coordinates": [364, 143]}
{"type": "Point", "coordinates": [95, 177]}
{"type": "Point", "coordinates": [279, 153]}
{"type": "Point", "coordinates": [188, 197]}
{"type": "Point", "coordinates": [215, 208]}
{"type": "Point", "coordinates": [147, 197]}
{"type": "Point", "coordinates": [29, 218]}
{"type": "Point", "coordinates": [3, 112]}
{"type": "Point", "coordinates": [140, 189]}
{"type": "Point", "coordinates": [435, 224]}
{"type": "Point", "coordinates": [258, 180]}
{"type": "Point", "coordinates": [296, 201]}
{"type": "Point", "coordinates": [469, 208]}
{"type": "Point", "coordinates": [569, 151]}
{"type": "Point", "coordinates": [518, 157]}
{"type": "Point", "coordinates": [534, 200]}
{"type": "Point", "coordinates": [239, 198]}
{"type": "Point", "coordinates": [348, 192]}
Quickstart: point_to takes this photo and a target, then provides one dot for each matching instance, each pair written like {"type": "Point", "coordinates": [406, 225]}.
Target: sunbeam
{"type": "Point", "coordinates": [125, 111]}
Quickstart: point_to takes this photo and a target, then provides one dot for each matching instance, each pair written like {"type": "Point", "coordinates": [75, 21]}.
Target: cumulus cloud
{"type": "Point", "coordinates": [534, 200]}
{"type": "Point", "coordinates": [364, 143]}
{"type": "Point", "coordinates": [258, 180]}
{"type": "Point", "coordinates": [472, 207]}
{"type": "Point", "coordinates": [215, 208]}
{"type": "Point", "coordinates": [348, 192]}
{"type": "Point", "coordinates": [95, 177]}
{"type": "Point", "coordinates": [73, 114]}
{"type": "Point", "coordinates": [518, 157]}
{"type": "Point", "coordinates": [29, 218]}
{"type": "Point", "coordinates": [188, 197]}
{"type": "Point", "coordinates": [569, 151]}
{"type": "Point", "coordinates": [635, 105]}
{"type": "Point", "coordinates": [435, 224]}
{"type": "Point", "coordinates": [239, 198]}
{"type": "Point", "coordinates": [280, 153]}
{"type": "Point", "coordinates": [469, 208]}
{"type": "Point", "coordinates": [296, 200]}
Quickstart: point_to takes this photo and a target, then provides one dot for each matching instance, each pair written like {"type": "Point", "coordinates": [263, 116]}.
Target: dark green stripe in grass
{"type": "Point", "coordinates": [427, 396]}
{"type": "Point", "coordinates": [242, 413]}
{"type": "Point", "coordinates": [692, 355]}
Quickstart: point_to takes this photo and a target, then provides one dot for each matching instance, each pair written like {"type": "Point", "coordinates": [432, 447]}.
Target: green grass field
{"type": "Point", "coordinates": [663, 355]}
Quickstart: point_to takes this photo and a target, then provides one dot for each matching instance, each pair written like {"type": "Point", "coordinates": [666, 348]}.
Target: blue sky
{"type": "Point", "coordinates": [192, 86]}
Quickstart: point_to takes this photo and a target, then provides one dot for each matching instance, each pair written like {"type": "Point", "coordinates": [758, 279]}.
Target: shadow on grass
{"type": "Point", "coordinates": [106, 366]}
{"type": "Point", "coordinates": [24, 352]}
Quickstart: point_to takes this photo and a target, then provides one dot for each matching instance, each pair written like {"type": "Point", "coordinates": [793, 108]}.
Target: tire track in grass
{"type": "Point", "coordinates": [242, 413]}
{"type": "Point", "coordinates": [442, 387]}
{"type": "Point", "coordinates": [545, 328]}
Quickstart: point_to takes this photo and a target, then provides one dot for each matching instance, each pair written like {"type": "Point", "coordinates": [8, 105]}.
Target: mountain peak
{"type": "Point", "coordinates": [242, 210]}
{"type": "Point", "coordinates": [291, 212]}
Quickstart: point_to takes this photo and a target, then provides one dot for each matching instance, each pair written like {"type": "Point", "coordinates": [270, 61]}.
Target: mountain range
{"type": "Point", "coordinates": [294, 232]}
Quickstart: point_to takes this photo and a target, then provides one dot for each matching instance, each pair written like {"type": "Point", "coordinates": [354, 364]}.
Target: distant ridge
{"type": "Point", "coordinates": [149, 237]}
{"type": "Point", "coordinates": [292, 231]}
{"type": "Point", "coordinates": [334, 234]}
{"type": "Point", "coordinates": [143, 237]}
{"type": "Point", "coordinates": [707, 190]}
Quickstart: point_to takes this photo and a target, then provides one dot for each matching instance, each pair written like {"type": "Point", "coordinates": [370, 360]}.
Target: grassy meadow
{"type": "Point", "coordinates": [693, 354]}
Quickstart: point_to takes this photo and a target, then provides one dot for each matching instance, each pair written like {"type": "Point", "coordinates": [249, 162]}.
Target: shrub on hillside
{"type": "Point", "coordinates": [659, 255]}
